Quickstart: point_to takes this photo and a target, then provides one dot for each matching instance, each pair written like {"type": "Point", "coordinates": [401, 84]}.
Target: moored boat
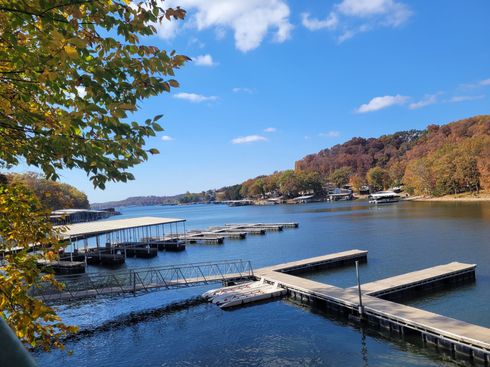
{"type": "Point", "coordinates": [383, 197]}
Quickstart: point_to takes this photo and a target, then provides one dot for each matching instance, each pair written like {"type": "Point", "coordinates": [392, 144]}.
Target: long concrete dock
{"type": "Point", "coordinates": [459, 338]}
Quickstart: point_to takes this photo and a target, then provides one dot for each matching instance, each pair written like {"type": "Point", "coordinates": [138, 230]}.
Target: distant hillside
{"type": "Point", "coordinates": [157, 200]}
{"type": "Point", "coordinates": [136, 201]}
{"type": "Point", "coordinates": [437, 161]}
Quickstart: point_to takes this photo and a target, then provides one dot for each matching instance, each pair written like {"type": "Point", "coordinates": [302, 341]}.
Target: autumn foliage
{"type": "Point", "coordinates": [72, 75]}
{"type": "Point", "coordinates": [440, 160]}
{"type": "Point", "coordinates": [52, 195]}
{"type": "Point", "coordinates": [24, 223]}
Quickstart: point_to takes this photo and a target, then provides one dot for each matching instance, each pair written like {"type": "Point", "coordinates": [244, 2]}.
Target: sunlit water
{"type": "Point", "coordinates": [400, 238]}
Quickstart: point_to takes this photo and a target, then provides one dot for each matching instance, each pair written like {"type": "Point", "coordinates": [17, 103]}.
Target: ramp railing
{"type": "Point", "coordinates": [144, 279]}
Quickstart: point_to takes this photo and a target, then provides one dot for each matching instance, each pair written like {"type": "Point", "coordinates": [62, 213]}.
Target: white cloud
{"type": "Point", "coordinates": [248, 139]}
{"type": "Point", "coordinates": [330, 134]}
{"type": "Point", "coordinates": [351, 17]}
{"type": "Point", "coordinates": [270, 130]}
{"type": "Point", "coordinates": [195, 98]}
{"type": "Point", "coordinates": [249, 20]}
{"type": "Point", "coordinates": [167, 29]}
{"type": "Point", "coordinates": [481, 83]}
{"type": "Point", "coordinates": [379, 103]}
{"type": "Point", "coordinates": [195, 42]}
{"type": "Point", "coordinates": [242, 90]}
{"type": "Point", "coordinates": [314, 24]}
{"type": "Point", "coordinates": [307, 137]}
{"type": "Point", "coordinates": [457, 99]}
{"type": "Point", "coordinates": [167, 138]}
{"type": "Point", "coordinates": [204, 60]}
{"type": "Point", "coordinates": [426, 101]}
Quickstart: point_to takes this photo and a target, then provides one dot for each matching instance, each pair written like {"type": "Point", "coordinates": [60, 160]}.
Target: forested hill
{"type": "Point", "coordinates": [436, 161]}
{"type": "Point", "coordinates": [361, 154]}
{"type": "Point", "coordinates": [137, 201]}
{"type": "Point", "coordinates": [52, 195]}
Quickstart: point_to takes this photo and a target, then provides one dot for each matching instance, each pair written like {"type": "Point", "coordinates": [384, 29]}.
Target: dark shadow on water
{"type": "Point", "coordinates": [134, 318]}
{"type": "Point", "coordinates": [439, 291]}
{"type": "Point", "coordinates": [404, 343]}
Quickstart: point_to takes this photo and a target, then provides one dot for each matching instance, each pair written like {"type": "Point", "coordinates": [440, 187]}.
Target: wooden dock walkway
{"type": "Point", "coordinates": [434, 275]}
{"type": "Point", "coordinates": [319, 262]}
{"type": "Point", "coordinates": [283, 225]}
{"type": "Point", "coordinates": [248, 230]}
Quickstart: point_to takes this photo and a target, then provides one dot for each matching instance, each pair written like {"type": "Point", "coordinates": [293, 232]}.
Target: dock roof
{"type": "Point", "coordinates": [88, 229]}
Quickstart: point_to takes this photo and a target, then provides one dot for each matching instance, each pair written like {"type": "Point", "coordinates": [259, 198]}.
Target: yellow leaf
{"type": "Point", "coordinates": [71, 52]}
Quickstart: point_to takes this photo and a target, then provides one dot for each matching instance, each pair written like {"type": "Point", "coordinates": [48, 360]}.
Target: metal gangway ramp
{"type": "Point", "coordinates": [136, 280]}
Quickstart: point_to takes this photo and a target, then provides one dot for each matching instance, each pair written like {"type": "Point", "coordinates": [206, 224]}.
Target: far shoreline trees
{"type": "Point", "coordinates": [440, 160]}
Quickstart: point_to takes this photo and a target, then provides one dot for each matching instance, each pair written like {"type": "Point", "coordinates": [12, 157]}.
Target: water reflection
{"type": "Point", "coordinates": [364, 350]}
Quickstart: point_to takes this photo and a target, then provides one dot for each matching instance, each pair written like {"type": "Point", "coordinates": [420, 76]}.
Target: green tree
{"type": "Point", "coordinates": [356, 182]}
{"type": "Point", "coordinates": [419, 177]}
{"type": "Point", "coordinates": [444, 173]}
{"type": "Point", "coordinates": [396, 172]}
{"type": "Point", "coordinates": [71, 74]}
{"type": "Point", "coordinates": [467, 173]}
{"type": "Point", "coordinates": [378, 178]}
{"type": "Point", "coordinates": [340, 176]}
{"type": "Point", "coordinates": [310, 181]}
{"type": "Point", "coordinates": [289, 184]}
{"type": "Point", "coordinates": [258, 188]}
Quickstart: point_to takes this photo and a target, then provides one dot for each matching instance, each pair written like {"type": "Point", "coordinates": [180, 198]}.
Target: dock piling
{"type": "Point", "coordinates": [361, 308]}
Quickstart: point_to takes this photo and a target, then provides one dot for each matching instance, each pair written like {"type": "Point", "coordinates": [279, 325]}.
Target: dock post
{"type": "Point", "coordinates": [361, 307]}
{"type": "Point", "coordinates": [134, 281]}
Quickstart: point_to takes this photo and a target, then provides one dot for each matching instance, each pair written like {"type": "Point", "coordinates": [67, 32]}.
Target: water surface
{"type": "Point", "coordinates": [400, 238]}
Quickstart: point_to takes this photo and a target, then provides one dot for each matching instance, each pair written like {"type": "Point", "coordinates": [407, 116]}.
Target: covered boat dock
{"type": "Point", "coordinates": [110, 242]}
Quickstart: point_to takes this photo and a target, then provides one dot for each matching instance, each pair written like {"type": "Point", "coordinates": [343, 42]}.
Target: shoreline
{"type": "Point", "coordinates": [482, 197]}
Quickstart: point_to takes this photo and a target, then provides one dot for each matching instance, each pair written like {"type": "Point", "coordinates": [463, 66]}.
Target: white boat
{"type": "Point", "coordinates": [243, 293]}
{"type": "Point", "coordinates": [383, 197]}
{"type": "Point", "coordinates": [234, 288]}
{"type": "Point", "coordinates": [255, 296]}
{"type": "Point", "coordinates": [232, 294]}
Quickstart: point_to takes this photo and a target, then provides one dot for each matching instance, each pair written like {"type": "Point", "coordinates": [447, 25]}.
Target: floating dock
{"type": "Point", "coordinates": [283, 225]}
{"type": "Point", "coordinates": [319, 262]}
{"type": "Point", "coordinates": [62, 267]}
{"type": "Point", "coordinates": [170, 245]}
{"type": "Point", "coordinates": [426, 278]}
{"type": "Point", "coordinates": [231, 235]}
{"type": "Point", "coordinates": [217, 234]}
{"type": "Point", "coordinates": [248, 230]}
{"type": "Point", "coordinates": [105, 257]}
{"type": "Point", "coordinates": [458, 338]}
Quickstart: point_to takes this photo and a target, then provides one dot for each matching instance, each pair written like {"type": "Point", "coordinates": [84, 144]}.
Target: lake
{"type": "Point", "coordinates": [147, 331]}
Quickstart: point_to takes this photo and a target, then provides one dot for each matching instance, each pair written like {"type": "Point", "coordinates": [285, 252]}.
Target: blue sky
{"type": "Point", "coordinates": [274, 80]}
